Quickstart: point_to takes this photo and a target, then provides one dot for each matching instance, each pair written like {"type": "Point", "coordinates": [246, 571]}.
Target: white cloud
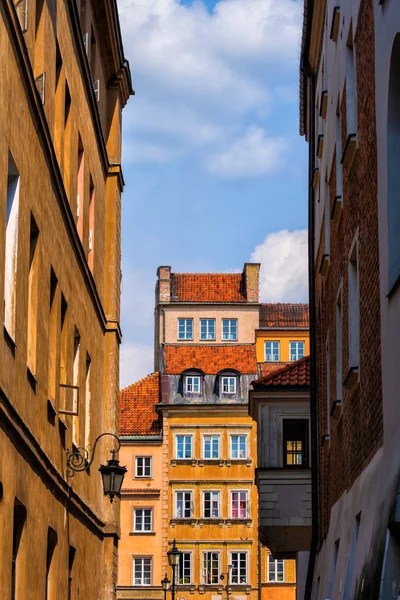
{"type": "Point", "coordinates": [284, 266]}
{"type": "Point", "coordinates": [201, 76]}
{"type": "Point", "coordinates": [136, 361]}
{"type": "Point", "coordinates": [252, 155]}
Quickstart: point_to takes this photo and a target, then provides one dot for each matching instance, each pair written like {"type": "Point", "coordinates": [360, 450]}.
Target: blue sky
{"type": "Point", "coordinates": [215, 171]}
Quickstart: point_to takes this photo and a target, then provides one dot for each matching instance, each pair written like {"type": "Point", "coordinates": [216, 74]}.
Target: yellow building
{"type": "Point", "coordinates": [206, 355]}
{"type": "Point", "coordinates": [282, 335]}
{"type": "Point", "coordinates": [63, 83]}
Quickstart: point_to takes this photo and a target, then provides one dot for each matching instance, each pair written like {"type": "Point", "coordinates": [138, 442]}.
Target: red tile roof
{"type": "Point", "coordinates": [295, 374]}
{"type": "Point", "coordinates": [137, 403]}
{"type": "Point", "coordinates": [208, 287]}
{"type": "Point", "coordinates": [210, 359]}
{"type": "Point", "coordinates": [284, 316]}
{"type": "Point", "coordinates": [266, 368]}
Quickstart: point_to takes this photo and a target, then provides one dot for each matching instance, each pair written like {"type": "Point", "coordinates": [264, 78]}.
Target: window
{"type": "Point", "coordinates": [351, 101]}
{"type": "Point", "coordinates": [33, 296]}
{"type": "Point", "coordinates": [211, 505]}
{"type": "Point", "coordinates": [183, 505]}
{"type": "Point", "coordinates": [295, 440]}
{"type": "Point", "coordinates": [142, 519]}
{"type": "Point", "coordinates": [87, 398]}
{"type": "Point", "coordinates": [91, 226]}
{"type": "Point", "coordinates": [275, 569]}
{"type": "Point", "coordinates": [71, 560]}
{"type": "Point", "coordinates": [296, 350]}
{"type": "Point", "coordinates": [229, 385]}
{"type": "Point", "coordinates": [51, 566]}
{"type": "Point", "coordinates": [185, 569]}
{"type": "Point", "coordinates": [339, 343]}
{"type": "Point", "coordinates": [239, 568]}
{"type": "Point", "coordinates": [80, 194]}
{"type": "Point", "coordinates": [75, 380]}
{"type": "Point", "coordinates": [142, 571]}
{"type": "Point", "coordinates": [192, 384]}
{"type": "Point", "coordinates": [239, 505]}
{"type": "Point", "coordinates": [211, 446]}
{"type": "Point", "coordinates": [393, 151]}
{"type": "Point", "coordinates": [183, 446]}
{"type": "Point", "coordinates": [210, 568]}
{"type": "Point", "coordinates": [229, 329]}
{"type": "Point", "coordinates": [11, 250]}
{"type": "Point", "coordinates": [143, 466]}
{"type": "Point", "coordinates": [207, 329]}
{"type": "Point", "coordinates": [18, 564]}
{"type": "Point", "coordinates": [354, 316]}
{"type": "Point", "coordinates": [185, 329]}
{"type": "Point", "coordinates": [238, 446]}
{"type": "Point", "coordinates": [272, 351]}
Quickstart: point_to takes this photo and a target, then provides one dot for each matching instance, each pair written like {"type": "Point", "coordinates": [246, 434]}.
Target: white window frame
{"type": "Point", "coordinates": [218, 495]}
{"type": "Point", "coordinates": [208, 336]}
{"type": "Point", "coordinates": [229, 338]}
{"type": "Point", "coordinates": [247, 504]}
{"type": "Point", "coordinates": [143, 530]}
{"type": "Point", "coordinates": [239, 435]}
{"type": "Point", "coordinates": [227, 380]}
{"type": "Point", "coordinates": [204, 570]}
{"type": "Point", "coordinates": [244, 552]}
{"type": "Point", "coordinates": [192, 383]}
{"type": "Point", "coordinates": [275, 575]}
{"type": "Point", "coordinates": [142, 558]}
{"type": "Point", "coordinates": [272, 353]}
{"type": "Point", "coordinates": [144, 458]}
{"type": "Point", "coordinates": [186, 320]}
{"type": "Point", "coordinates": [181, 565]}
{"type": "Point", "coordinates": [185, 436]}
{"type": "Point", "coordinates": [184, 500]}
{"type": "Point", "coordinates": [212, 437]}
{"type": "Point", "coordinates": [296, 353]}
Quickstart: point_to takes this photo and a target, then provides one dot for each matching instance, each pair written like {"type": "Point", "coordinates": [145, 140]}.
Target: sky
{"type": "Point", "coordinates": [215, 169]}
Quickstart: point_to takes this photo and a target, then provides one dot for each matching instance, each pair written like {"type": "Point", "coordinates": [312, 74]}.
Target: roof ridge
{"type": "Point", "coordinates": [139, 381]}
{"type": "Point", "coordinates": [284, 369]}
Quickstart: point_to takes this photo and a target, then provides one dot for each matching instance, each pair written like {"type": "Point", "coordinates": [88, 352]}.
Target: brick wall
{"type": "Point", "coordinates": [357, 434]}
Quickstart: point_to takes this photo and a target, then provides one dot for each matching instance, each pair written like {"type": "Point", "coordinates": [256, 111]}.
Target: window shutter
{"type": "Point", "coordinates": [40, 84]}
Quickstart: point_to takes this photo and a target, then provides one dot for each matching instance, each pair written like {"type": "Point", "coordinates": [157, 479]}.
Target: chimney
{"type": "Point", "coordinates": [251, 272]}
{"type": "Point", "coordinates": [164, 284]}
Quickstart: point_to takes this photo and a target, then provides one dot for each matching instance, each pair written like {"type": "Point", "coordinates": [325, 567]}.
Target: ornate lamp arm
{"type": "Point", "coordinates": [81, 458]}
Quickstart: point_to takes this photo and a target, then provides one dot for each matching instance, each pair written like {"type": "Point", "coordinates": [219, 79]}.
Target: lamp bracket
{"type": "Point", "coordinates": [80, 459]}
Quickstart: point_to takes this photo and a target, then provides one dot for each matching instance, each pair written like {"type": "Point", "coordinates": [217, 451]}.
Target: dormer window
{"type": "Point", "coordinates": [229, 385]}
{"type": "Point", "coordinates": [192, 384]}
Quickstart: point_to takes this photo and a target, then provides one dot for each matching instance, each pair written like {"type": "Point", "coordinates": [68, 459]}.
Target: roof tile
{"type": "Point", "coordinates": [210, 359]}
{"type": "Point", "coordinates": [295, 374]}
{"type": "Point", "coordinates": [137, 404]}
{"type": "Point", "coordinates": [286, 316]}
{"type": "Point", "coordinates": [208, 287]}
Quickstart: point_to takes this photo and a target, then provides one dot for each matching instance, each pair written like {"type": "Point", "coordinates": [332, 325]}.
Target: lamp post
{"type": "Point", "coordinates": [174, 556]}
{"type": "Point", "coordinates": [112, 473]}
{"type": "Point", "coordinates": [165, 584]}
{"type": "Point", "coordinates": [228, 579]}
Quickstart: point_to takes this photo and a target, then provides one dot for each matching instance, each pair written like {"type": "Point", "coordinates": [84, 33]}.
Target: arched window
{"type": "Point", "coordinates": [393, 158]}
{"type": "Point", "coordinates": [192, 382]}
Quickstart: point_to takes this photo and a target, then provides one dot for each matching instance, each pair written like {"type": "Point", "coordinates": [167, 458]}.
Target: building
{"type": "Point", "coordinates": [282, 335]}
{"type": "Point", "coordinates": [280, 404]}
{"type": "Point", "coordinates": [63, 85]}
{"type": "Point", "coordinates": [140, 548]}
{"type": "Point", "coordinates": [349, 115]}
{"type": "Point", "coordinates": [205, 354]}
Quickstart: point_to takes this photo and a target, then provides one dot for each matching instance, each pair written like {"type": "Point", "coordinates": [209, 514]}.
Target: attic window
{"type": "Point", "coordinates": [192, 384]}
{"type": "Point", "coordinates": [229, 385]}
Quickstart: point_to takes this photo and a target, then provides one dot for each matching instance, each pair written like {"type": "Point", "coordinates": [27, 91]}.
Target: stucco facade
{"type": "Point", "coordinates": [60, 312]}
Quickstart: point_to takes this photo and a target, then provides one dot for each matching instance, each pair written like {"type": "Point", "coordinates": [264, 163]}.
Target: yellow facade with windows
{"type": "Point", "coordinates": [284, 338]}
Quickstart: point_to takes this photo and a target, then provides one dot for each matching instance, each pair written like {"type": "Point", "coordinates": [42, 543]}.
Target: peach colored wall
{"type": "Point", "coordinates": [295, 335]}
{"type": "Point", "coordinates": [133, 496]}
{"type": "Point", "coordinates": [248, 321]}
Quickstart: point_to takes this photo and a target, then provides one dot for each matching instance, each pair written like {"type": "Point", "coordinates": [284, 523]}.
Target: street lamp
{"type": "Point", "coordinates": [165, 584]}
{"type": "Point", "coordinates": [228, 579]}
{"type": "Point", "coordinates": [174, 556]}
{"type": "Point", "coordinates": [112, 473]}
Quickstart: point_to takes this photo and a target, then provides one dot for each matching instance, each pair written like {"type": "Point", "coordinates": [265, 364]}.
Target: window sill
{"type": "Point", "coordinates": [349, 151]}
{"type": "Point", "coordinates": [184, 521]}
{"type": "Point", "coordinates": [336, 410]}
{"type": "Point", "coordinates": [233, 521]}
{"type": "Point", "coordinates": [183, 461]}
{"type": "Point", "coordinates": [352, 379]}
{"type": "Point", "coordinates": [211, 461]}
{"type": "Point", "coordinates": [210, 521]}
{"type": "Point", "coordinates": [142, 533]}
{"type": "Point", "coordinates": [337, 209]}
{"type": "Point", "coordinates": [141, 478]}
